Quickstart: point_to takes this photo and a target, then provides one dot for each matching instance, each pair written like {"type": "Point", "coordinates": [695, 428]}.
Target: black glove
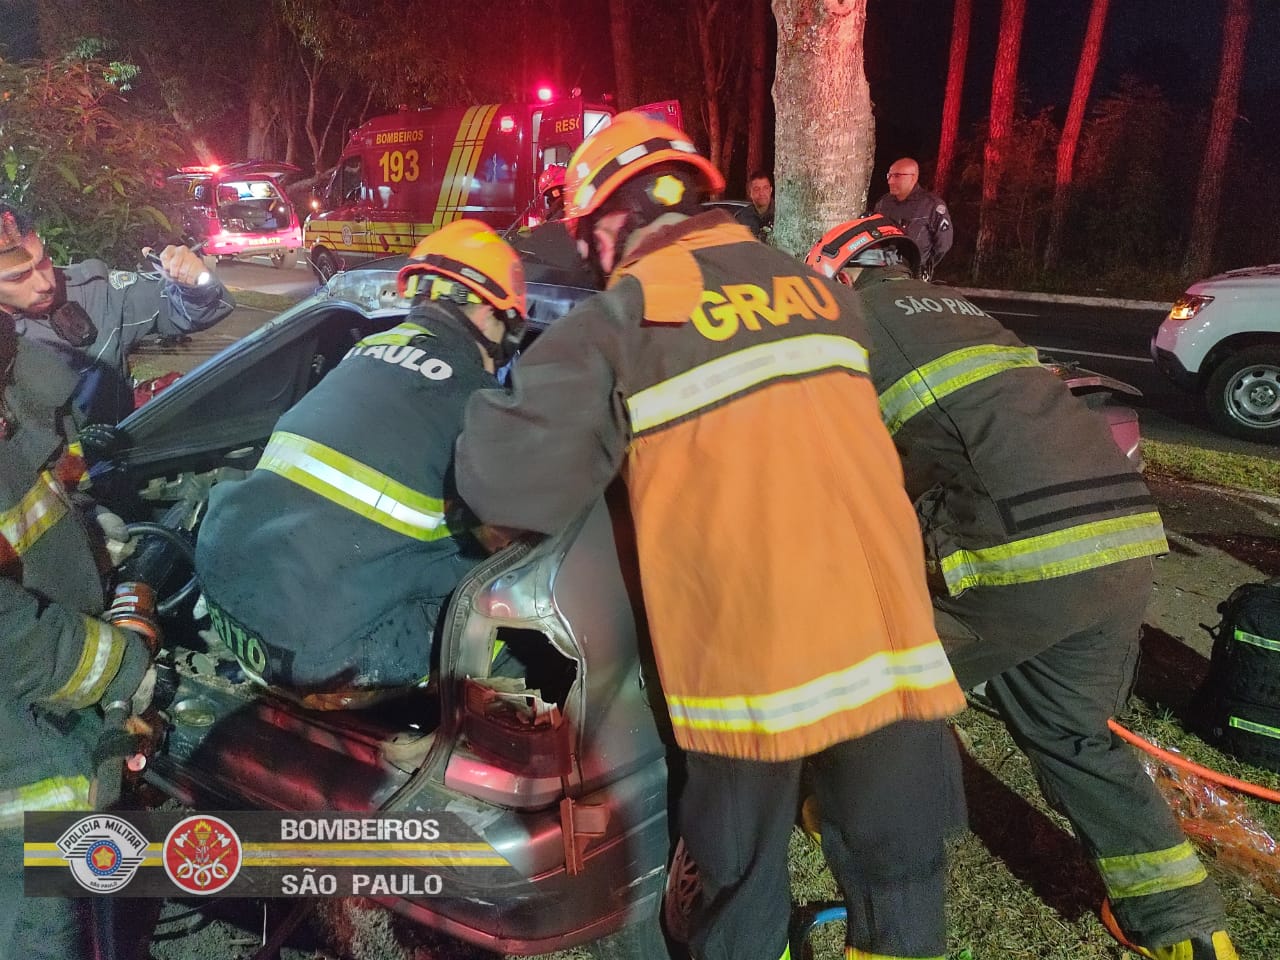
{"type": "Point", "coordinates": [102, 441]}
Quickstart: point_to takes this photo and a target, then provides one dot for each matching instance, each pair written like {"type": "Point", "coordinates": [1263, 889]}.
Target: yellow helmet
{"type": "Point", "coordinates": [469, 252]}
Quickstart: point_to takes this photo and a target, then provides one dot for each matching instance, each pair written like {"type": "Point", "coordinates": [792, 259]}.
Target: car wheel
{"type": "Point", "coordinates": [325, 262]}
{"type": "Point", "coordinates": [681, 895]}
{"type": "Point", "coordinates": [1243, 394]}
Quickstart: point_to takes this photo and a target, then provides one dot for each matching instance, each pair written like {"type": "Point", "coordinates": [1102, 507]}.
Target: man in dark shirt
{"type": "Point", "coordinates": [758, 216]}
{"type": "Point", "coordinates": [922, 215]}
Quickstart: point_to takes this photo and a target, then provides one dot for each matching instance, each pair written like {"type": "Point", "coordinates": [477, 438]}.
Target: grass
{"type": "Point", "coordinates": [1019, 886]}
{"type": "Point", "coordinates": [1237, 470]}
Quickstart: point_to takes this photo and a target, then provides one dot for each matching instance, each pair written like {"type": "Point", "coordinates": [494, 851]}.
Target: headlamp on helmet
{"type": "Point", "coordinates": [874, 241]}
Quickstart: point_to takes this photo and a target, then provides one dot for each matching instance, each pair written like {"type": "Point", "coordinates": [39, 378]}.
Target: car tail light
{"type": "Point", "coordinates": [1188, 305]}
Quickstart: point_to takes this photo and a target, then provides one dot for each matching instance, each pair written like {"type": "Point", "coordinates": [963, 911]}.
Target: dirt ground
{"type": "Point", "coordinates": [1218, 539]}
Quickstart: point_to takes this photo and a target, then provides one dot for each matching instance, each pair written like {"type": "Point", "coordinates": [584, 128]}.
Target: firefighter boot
{"type": "Point", "coordinates": [1215, 946]}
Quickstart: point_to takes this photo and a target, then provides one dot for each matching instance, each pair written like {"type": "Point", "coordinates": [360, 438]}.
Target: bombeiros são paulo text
{"type": "Point", "coordinates": [358, 828]}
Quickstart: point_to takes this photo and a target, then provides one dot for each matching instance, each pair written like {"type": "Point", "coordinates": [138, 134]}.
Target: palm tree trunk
{"type": "Point", "coordinates": [757, 102]}
{"type": "Point", "coordinates": [624, 69]}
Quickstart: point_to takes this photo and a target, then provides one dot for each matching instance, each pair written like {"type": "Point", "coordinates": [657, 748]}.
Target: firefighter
{"type": "Point", "coordinates": [551, 190]}
{"type": "Point", "coordinates": [1039, 536]}
{"type": "Point", "coordinates": [92, 316]}
{"type": "Point", "coordinates": [326, 568]}
{"type": "Point", "coordinates": [59, 660]}
{"type": "Point", "coordinates": [782, 573]}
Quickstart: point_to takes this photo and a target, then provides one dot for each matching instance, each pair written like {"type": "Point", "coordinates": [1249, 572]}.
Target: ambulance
{"type": "Point", "coordinates": [404, 175]}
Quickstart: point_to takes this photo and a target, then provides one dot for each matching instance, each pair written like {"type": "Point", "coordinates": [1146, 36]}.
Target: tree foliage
{"type": "Point", "coordinates": [82, 158]}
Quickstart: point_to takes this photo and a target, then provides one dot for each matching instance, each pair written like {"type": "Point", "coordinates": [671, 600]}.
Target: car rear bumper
{"type": "Point", "coordinates": [234, 245]}
{"type": "Point", "coordinates": [1169, 365]}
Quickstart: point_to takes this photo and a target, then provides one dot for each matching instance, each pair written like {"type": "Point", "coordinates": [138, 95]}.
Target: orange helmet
{"type": "Point", "coordinates": [631, 143]}
{"type": "Point", "coordinates": [863, 242]}
{"type": "Point", "coordinates": [469, 252]}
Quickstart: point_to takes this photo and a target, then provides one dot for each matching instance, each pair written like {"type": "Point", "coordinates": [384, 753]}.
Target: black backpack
{"type": "Point", "coordinates": [1240, 699]}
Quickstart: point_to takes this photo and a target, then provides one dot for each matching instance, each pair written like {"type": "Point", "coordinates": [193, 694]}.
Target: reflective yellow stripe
{"type": "Point", "coordinates": [1056, 554]}
{"type": "Point", "coordinates": [1243, 636]}
{"type": "Point", "coordinates": [397, 336]}
{"type": "Point", "coordinates": [719, 379]}
{"type": "Point", "coordinates": [456, 183]}
{"type": "Point", "coordinates": [355, 486]}
{"type": "Point", "coordinates": [99, 662]}
{"type": "Point", "coordinates": [853, 953]}
{"type": "Point", "coordinates": [31, 517]}
{"type": "Point", "coordinates": [1240, 723]}
{"type": "Point", "coordinates": [52, 793]}
{"type": "Point", "coordinates": [953, 371]}
{"type": "Point", "coordinates": [1142, 874]}
{"type": "Point", "coordinates": [922, 668]}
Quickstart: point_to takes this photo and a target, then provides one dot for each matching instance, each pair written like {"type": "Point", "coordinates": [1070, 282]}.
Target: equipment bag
{"type": "Point", "coordinates": [1240, 698]}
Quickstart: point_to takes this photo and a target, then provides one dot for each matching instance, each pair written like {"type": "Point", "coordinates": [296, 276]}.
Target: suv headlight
{"type": "Point", "coordinates": [1188, 305]}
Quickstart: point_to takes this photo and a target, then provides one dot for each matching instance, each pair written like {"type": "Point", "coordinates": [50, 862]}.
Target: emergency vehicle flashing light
{"type": "Point", "coordinates": [507, 124]}
{"type": "Point", "coordinates": [545, 94]}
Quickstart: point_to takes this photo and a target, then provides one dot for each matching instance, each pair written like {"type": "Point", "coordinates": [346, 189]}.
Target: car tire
{"type": "Point", "coordinates": [1243, 394]}
{"type": "Point", "coordinates": [325, 262]}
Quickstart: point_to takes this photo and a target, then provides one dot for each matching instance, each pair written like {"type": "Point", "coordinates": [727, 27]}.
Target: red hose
{"type": "Point", "coordinates": [1244, 786]}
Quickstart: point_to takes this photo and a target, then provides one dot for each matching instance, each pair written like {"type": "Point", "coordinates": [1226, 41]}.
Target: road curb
{"type": "Point", "coordinates": [1065, 298]}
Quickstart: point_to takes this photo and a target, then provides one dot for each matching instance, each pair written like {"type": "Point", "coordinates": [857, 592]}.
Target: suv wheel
{"type": "Point", "coordinates": [1243, 394]}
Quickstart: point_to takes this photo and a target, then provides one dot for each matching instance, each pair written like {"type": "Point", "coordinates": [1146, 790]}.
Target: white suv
{"type": "Point", "coordinates": [1222, 338]}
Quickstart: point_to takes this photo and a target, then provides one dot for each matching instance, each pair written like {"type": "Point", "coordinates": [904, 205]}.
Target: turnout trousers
{"type": "Point", "coordinates": [1080, 638]}
{"type": "Point", "coordinates": [888, 800]}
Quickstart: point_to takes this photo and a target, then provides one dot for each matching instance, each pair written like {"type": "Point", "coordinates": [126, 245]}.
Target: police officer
{"type": "Point", "coordinates": [326, 568]}
{"type": "Point", "coordinates": [58, 659]}
{"type": "Point", "coordinates": [92, 316]}
{"type": "Point", "coordinates": [783, 577]}
{"type": "Point", "coordinates": [1039, 535]}
{"type": "Point", "coordinates": [921, 214]}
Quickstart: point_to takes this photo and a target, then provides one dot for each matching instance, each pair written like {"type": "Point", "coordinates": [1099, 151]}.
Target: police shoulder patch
{"type": "Point", "coordinates": [121, 278]}
{"type": "Point", "coordinates": [941, 208]}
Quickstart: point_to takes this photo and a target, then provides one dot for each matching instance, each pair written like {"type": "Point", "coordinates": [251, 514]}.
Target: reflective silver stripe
{"type": "Point", "coordinates": [1142, 874]}
{"type": "Point", "coordinates": [1082, 547]}
{"type": "Point", "coordinates": [39, 509]}
{"type": "Point", "coordinates": [52, 793]}
{"type": "Point", "coordinates": [355, 486]}
{"type": "Point", "coordinates": [921, 668]}
{"type": "Point", "coordinates": [724, 377]}
{"type": "Point", "coordinates": [99, 662]}
{"type": "Point", "coordinates": [929, 383]}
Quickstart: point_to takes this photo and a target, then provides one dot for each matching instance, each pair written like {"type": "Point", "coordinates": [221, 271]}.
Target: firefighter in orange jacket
{"type": "Point", "coordinates": [781, 565]}
{"type": "Point", "coordinates": [1042, 536]}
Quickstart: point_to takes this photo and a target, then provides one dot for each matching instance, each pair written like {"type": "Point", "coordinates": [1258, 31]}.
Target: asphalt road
{"type": "Point", "coordinates": [1113, 337]}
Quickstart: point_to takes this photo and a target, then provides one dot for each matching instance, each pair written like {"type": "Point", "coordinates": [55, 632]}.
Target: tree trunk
{"type": "Point", "coordinates": [1004, 88]}
{"type": "Point", "coordinates": [960, 19]}
{"type": "Point", "coordinates": [264, 93]}
{"type": "Point", "coordinates": [756, 102]}
{"type": "Point", "coordinates": [1070, 138]}
{"type": "Point", "coordinates": [624, 68]}
{"type": "Point", "coordinates": [704, 28]}
{"type": "Point", "coordinates": [824, 139]}
{"type": "Point", "coordinates": [1204, 216]}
